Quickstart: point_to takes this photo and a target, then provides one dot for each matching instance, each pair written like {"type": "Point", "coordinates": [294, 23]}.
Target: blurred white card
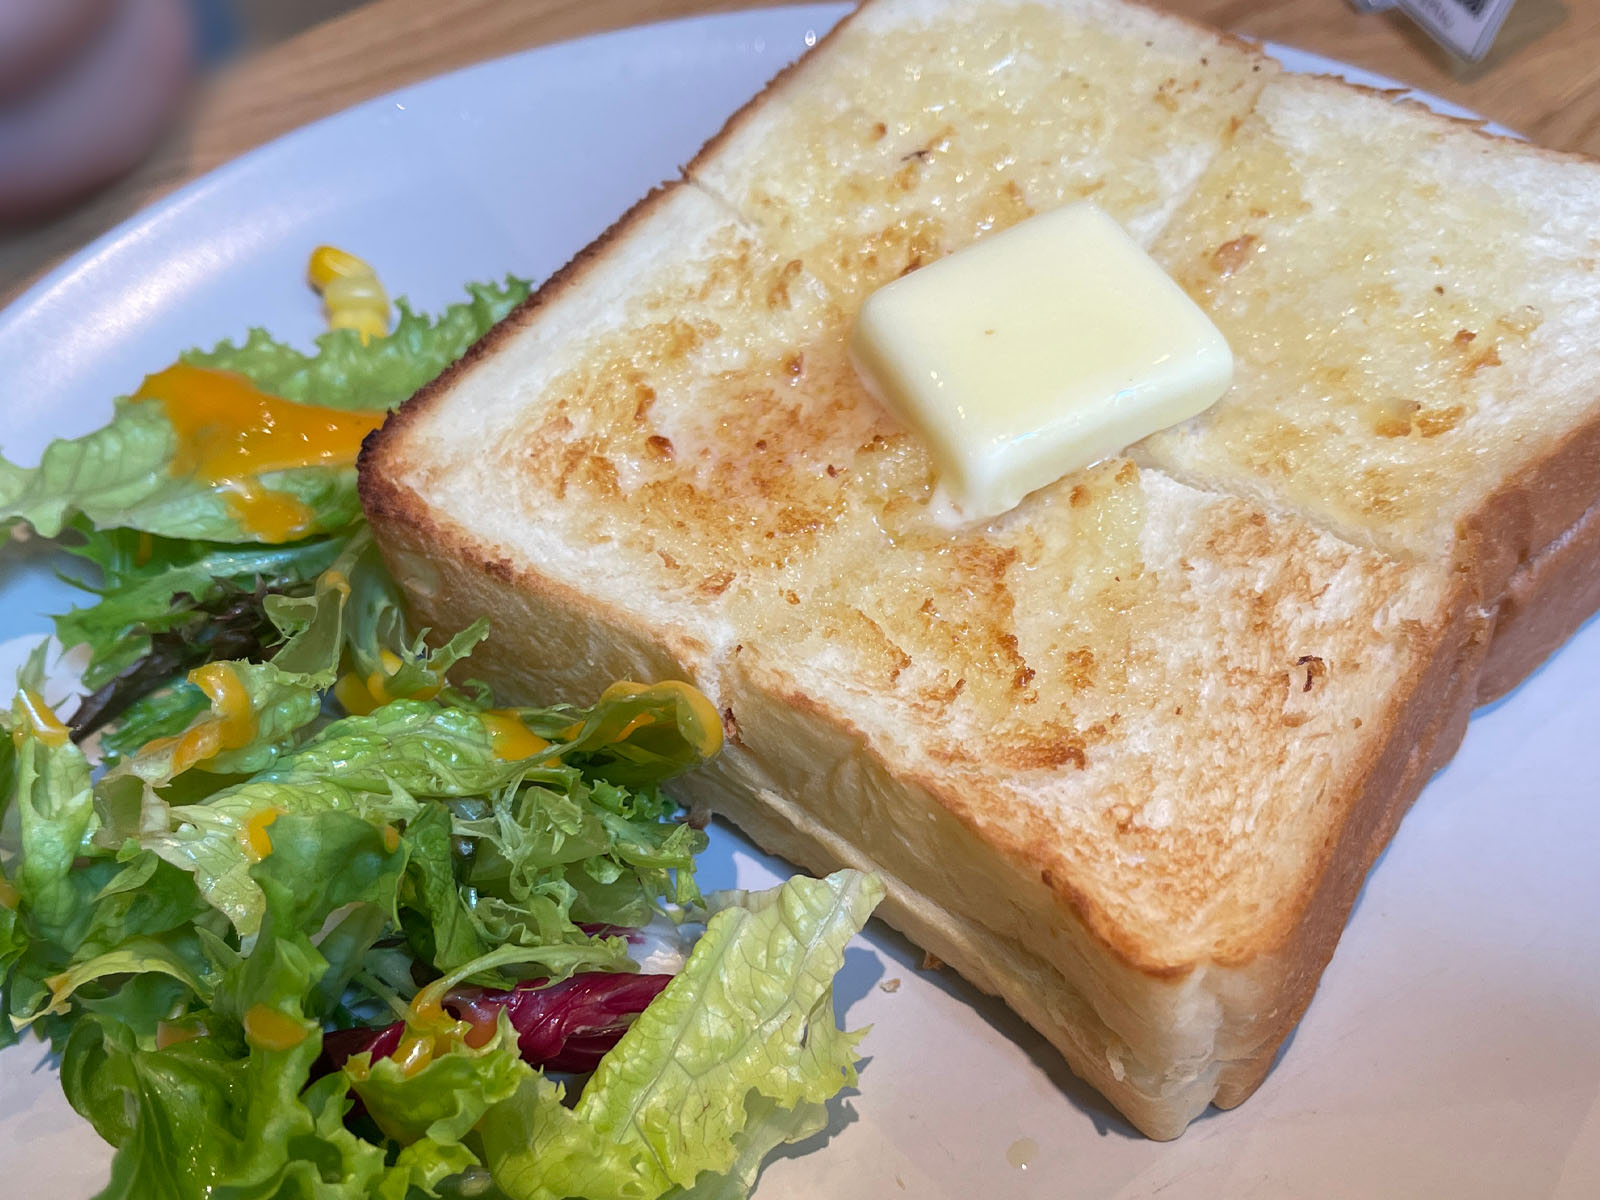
{"type": "Point", "coordinates": [1464, 27]}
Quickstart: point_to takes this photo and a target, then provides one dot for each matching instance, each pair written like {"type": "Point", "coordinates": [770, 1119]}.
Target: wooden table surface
{"type": "Point", "coordinates": [1542, 78]}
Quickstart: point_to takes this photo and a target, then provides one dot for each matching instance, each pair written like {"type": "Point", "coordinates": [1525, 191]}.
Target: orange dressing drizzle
{"type": "Point", "coordinates": [230, 701]}
{"type": "Point", "coordinates": [416, 1050]}
{"type": "Point", "coordinates": [270, 1029]}
{"type": "Point", "coordinates": [170, 1033]}
{"type": "Point", "coordinates": [431, 1031]}
{"type": "Point", "coordinates": [390, 665]}
{"type": "Point", "coordinates": [481, 1026]}
{"type": "Point", "coordinates": [350, 690]}
{"type": "Point", "coordinates": [230, 432]}
{"type": "Point", "coordinates": [230, 724]}
{"type": "Point", "coordinates": [253, 835]}
{"type": "Point", "coordinates": [639, 721]}
{"type": "Point", "coordinates": [708, 732]}
{"type": "Point", "coordinates": [42, 720]}
{"type": "Point", "coordinates": [509, 737]}
{"type": "Point", "coordinates": [360, 696]}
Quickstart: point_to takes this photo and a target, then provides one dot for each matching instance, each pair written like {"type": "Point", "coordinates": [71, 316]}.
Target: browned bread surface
{"type": "Point", "coordinates": [1412, 307]}
{"type": "Point", "coordinates": [984, 875]}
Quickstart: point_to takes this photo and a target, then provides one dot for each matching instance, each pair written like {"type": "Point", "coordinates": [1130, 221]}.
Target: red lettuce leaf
{"type": "Point", "coordinates": [567, 1026]}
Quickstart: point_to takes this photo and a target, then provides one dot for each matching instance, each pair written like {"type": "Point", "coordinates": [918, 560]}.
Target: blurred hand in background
{"type": "Point", "coordinates": [86, 88]}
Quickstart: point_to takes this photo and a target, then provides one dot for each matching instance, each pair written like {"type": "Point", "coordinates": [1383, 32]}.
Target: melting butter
{"type": "Point", "coordinates": [1036, 352]}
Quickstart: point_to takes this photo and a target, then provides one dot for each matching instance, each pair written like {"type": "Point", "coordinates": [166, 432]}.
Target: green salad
{"type": "Point", "coordinates": [303, 911]}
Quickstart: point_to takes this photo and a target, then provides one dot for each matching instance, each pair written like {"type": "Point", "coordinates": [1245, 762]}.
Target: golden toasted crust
{"type": "Point", "coordinates": [1549, 597]}
{"type": "Point", "coordinates": [1528, 516]}
{"type": "Point", "coordinates": [770, 94]}
{"type": "Point", "coordinates": [1422, 742]}
{"type": "Point", "coordinates": [380, 443]}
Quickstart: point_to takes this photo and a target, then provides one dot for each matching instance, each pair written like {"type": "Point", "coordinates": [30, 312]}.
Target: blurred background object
{"type": "Point", "coordinates": [1466, 28]}
{"type": "Point", "coordinates": [260, 68]}
{"type": "Point", "coordinates": [93, 92]}
{"type": "Point", "coordinates": [86, 87]}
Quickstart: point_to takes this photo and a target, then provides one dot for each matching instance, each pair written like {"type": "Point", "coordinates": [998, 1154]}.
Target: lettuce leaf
{"type": "Point", "coordinates": [56, 818]}
{"type": "Point", "coordinates": [218, 1110]}
{"type": "Point", "coordinates": [121, 474]}
{"type": "Point", "coordinates": [165, 605]}
{"type": "Point", "coordinates": [209, 840]}
{"type": "Point", "coordinates": [345, 372]}
{"type": "Point", "coordinates": [749, 1018]}
{"type": "Point", "coordinates": [137, 956]}
{"type": "Point", "coordinates": [384, 651]}
{"type": "Point", "coordinates": [115, 475]}
{"type": "Point", "coordinates": [548, 847]}
{"type": "Point", "coordinates": [444, 1100]}
{"type": "Point", "coordinates": [165, 712]}
{"type": "Point", "coordinates": [230, 1108]}
{"type": "Point", "coordinates": [271, 701]}
{"type": "Point", "coordinates": [768, 1126]}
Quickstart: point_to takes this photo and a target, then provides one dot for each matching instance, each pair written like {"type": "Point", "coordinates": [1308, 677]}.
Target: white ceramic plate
{"type": "Point", "coordinates": [1454, 1046]}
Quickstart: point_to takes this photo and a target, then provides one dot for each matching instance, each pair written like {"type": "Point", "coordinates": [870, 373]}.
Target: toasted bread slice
{"type": "Point", "coordinates": [1412, 307]}
{"type": "Point", "coordinates": [1117, 752]}
{"type": "Point", "coordinates": [1124, 757]}
{"type": "Point", "coordinates": [1124, 754]}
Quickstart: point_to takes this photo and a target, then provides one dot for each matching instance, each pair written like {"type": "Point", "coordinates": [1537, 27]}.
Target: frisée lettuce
{"type": "Point", "coordinates": [188, 959]}
{"type": "Point", "coordinates": [317, 918]}
{"type": "Point", "coordinates": [128, 474]}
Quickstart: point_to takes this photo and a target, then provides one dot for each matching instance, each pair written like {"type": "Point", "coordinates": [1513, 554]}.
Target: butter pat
{"type": "Point", "coordinates": [1035, 352]}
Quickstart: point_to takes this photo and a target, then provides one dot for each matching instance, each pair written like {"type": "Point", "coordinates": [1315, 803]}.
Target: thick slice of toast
{"type": "Point", "coordinates": [1126, 753]}
{"type": "Point", "coordinates": [1119, 754]}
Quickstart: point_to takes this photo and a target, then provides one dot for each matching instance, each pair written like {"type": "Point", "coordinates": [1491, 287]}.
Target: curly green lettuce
{"type": "Point", "coordinates": [122, 476]}
{"type": "Point", "coordinates": [733, 1059]}
{"type": "Point", "coordinates": [178, 581]}
{"type": "Point", "coordinates": [188, 957]}
{"type": "Point", "coordinates": [252, 869]}
{"type": "Point", "coordinates": [346, 372]}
